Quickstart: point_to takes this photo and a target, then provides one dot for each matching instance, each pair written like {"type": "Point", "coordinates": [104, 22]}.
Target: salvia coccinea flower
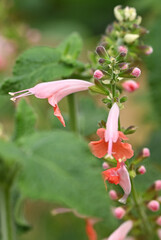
{"type": "Point", "coordinates": [119, 175]}
{"type": "Point", "coordinates": [54, 91]}
{"type": "Point", "coordinates": [121, 232]}
{"type": "Point", "coordinates": [111, 139]}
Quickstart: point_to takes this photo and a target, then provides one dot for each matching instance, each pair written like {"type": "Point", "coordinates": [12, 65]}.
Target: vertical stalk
{"type": "Point", "coordinates": [146, 225]}
{"type": "Point", "coordinates": [7, 228]}
{"type": "Point", "coordinates": [73, 113]}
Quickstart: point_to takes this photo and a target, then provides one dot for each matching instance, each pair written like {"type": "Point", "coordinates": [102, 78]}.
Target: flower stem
{"type": "Point", "coordinates": [146, 225]}
{"type": "Point", "coordinates": [73, 113]}
{"type": "Point", "coordinates": [7, 227]}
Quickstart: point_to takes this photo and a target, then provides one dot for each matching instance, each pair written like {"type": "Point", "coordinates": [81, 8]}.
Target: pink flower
{"type": "Point", "coordinates": [142, 170]}
{"type": "Point", "coordinates": [157, 185]}
{"type": "Point", "coordinates": [119, 212]}
{"type": "Point", "coordinates": [146, 152]}
{"type": "Point", "coordinates": [130, 85]}
{"type": "Point", "coordinates": [113, 195]}
{"type": "Point", "coordinates": [119, 175]}
{"type": "Point", "coordinates": [122, 49]}
{"type": "Point", "coordinates": [111, 139]}
{"type": "Point", "coordinates": [121, 232]}
{"type": "Point", "coordinates": [153, 205]}
{"type": "Point", "coordinates": [98, 74]}
{"type": "Point", "coordinates": [136, 72]}
{"type": "Point", "coordinates": [54, 91]}
{"type": "Point", "coordinates": [158, 221]}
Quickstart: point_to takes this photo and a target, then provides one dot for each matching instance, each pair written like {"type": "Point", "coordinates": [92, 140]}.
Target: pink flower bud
{"type": "Point", "coordinates": [119, 212]}
{"type": "Point", "coordinates": [149, 50]}
{"type": "Point", "coordinates": [142, 170]}
{"type": "Point", "coordinates": [113, 195]}
{"type": "Point", "coordinates": [123, 66]}
{"type": "Point", "coordinates": [98, 74]}
{"type": "Point", "coordinates": [158, 221]}
{"type": "Point", "coordinates": [122, 49]}
{"type": "Point", "coordinates": [153, 205]}
{"type": "Point", "coordinates": [130, 85]}
{"type": "Point", "coordinates": [105, 165]}
{"type": "Point", "coordinates": [136, 72]}
{"type": "Point", "coordinates": [146, 152]}
{"type": "Point", "coordinates": [157, 185]}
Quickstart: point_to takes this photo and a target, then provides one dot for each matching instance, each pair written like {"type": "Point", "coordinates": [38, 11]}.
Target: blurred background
{"type": "Point", "coordinates": [47, 22]}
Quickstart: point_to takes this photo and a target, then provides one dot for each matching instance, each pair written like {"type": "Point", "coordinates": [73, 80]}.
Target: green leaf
{"type": "Point", "coordinates": [71, 47]}
{"type": "Point", "coordinates": [25, 120]}
{"type": "Point", "coordinates": [60, 168]}
{"type": "Point", "coordinates": [38, 64]}
{"type": "Point", "coordinates": [90, 115]}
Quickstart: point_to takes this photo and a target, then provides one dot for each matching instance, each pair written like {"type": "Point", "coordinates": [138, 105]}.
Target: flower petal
{"type": "Point", "coordinates": [122, 150]}
{"type": "Point", "coordinates": [98, 148]}
{"type": "Point", "coordinates": [91, 233]}
{"type": "Point", "coordinates": [121, 232]}
{"type": "Point", "coordinates": [57, 113]}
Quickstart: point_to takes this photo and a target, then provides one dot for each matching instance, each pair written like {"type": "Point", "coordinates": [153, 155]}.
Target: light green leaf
{"type": "Point", "coordinates": [60, 168]}
{"type": "Point", "coordinates": [25, 120]}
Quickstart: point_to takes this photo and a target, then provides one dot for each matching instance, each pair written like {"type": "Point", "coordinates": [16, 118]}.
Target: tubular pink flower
{"type": "Point", "coordinates": [157, 185]}
{"type": "Point", "coordinates": [119, 175]}
{"type": "Point", "coordinates": [130, 85]}
{"type": "Point", "coordinates": [54, 91]}
{"type": "Point", "coordinates": [98, 74]}
{"type": "Point", "coordinates": [121, 232]}
{"type": "Point", "coordinates": [119, 212]}
{"type": "Point", "coordinates": [153, 205]}
{"type": "Point", "coordinates": [113, 195]}
{"type": "Point", "coordinates": [111, 133]}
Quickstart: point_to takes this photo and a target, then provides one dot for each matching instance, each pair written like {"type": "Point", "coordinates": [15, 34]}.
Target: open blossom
{"type": "Point", "coordinates": [119, 175]}
{"type": "Point", "coordinates": [111, 139]}
{"type": "Point", "coordinates": [130, 85]}
{"type": "Point", "coordinates": [54, 91]}
{"type": "Point", "coordinates": [121, 232]}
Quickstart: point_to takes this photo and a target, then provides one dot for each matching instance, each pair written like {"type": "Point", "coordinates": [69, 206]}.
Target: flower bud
{"type": "Point", "coordinates": [122, 49]}
{"type": "Point", "coordinates": [118, 14]}
{"type": "Point", "coordinates": [119, 212]}
{"type": "Point", "coordinates": [130, 85]}
{"type": "Point", "coordinates": [149, 50]}
{"type": "Point", "coordinates": [101, 51]}
{"type": "Point", "coordinates": [123, 65]}
{"type": "Point", "coordinates": [105, 165]}
{"type": "Point", "coordinates": [142, 170]}
{"type": "Point", "coordinates": [130, 38]}
{"type": "Point", "coordinates": [136, 72]}
{"type": "Point", "coordinates": [158, 221]}
{"type": "Point", "coordinates": [146, 152]}
{"type": "Point", "coordinates": [113, 195]}
{"type": "Point", "coordinates": [101, 60]}
{"type": "Point", "coordinates": [130, 130]}
{"type": "Point", "coordinates": [153, 205]}
{"type": "Point", "coordinates": [98, 74]}
{"type": "Point", "coordinates": [157, 185]}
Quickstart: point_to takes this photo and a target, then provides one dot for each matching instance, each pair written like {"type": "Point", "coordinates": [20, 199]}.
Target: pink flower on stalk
{"type": "Point", "coordinates": [119, 175]}
{"type": "Point", "coordinates": [142, 170]}
{"type": "Point", "coordinates": [136, 72]}
{"type": "Point", "coordinates": [98, 74]}
{"type": "Point", "coordinates": [130, 85]}
{"type": "Point", "coordinates": [54, 91]}
{"type": "Point", "coordinates": [111, 139]}
{"type": "Point", "coordinates": [146, 152]}
{"type": "Point", "coordinates": [121, 232]}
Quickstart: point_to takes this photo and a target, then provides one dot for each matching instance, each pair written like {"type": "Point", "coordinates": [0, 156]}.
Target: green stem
{"type": "Point", "coordinates": [146, 225]}
{"type": "Point", "coordinates": [7, 228]}
{"type": "Point", "coordinates": [73, 113]}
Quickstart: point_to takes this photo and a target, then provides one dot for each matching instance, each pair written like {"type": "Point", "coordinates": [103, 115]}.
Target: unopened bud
{"type": "Point", "coordinates": [157, 185]}
{"type": "Point", "coordinates": [101, 60]}
{"type": "Point", "coordinates": [113, 195]}
{"type": "Point", "coordinates": [123, 65]}
{"type": "Point", "coordinates": [98, 74]}
{"type": "Point", "coordinates": [142, 170]}
{"type": "Point", "coordinates": [123, 99]}
{"type": "Point", "coordinates": [101, 51]}
{"type": "Point", "coordinates": [119, 212]}
{"type": "Point", "coordinates": [130, 130]}
{"type": "Point", "coordinates": [158, 221]}
{"type": "Point", "coordinates": [118, 13]}
{"type": "Point", "coordinates": [130, 85]}
{"type": "Point", "coordinates": [122, 49]}
{"type": "Point", "coordinates": [153, 205]}
{"type": "Point", "coordinates": [130, 38]}
{"type": "Point", "coordinates": [149, 50]}
{"type": "Point", "coordinates": [136, 72]}
{"type": "Point", "coordinates": [146, 152]}
{"type": "Point", "coordinates": [105, 165]}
